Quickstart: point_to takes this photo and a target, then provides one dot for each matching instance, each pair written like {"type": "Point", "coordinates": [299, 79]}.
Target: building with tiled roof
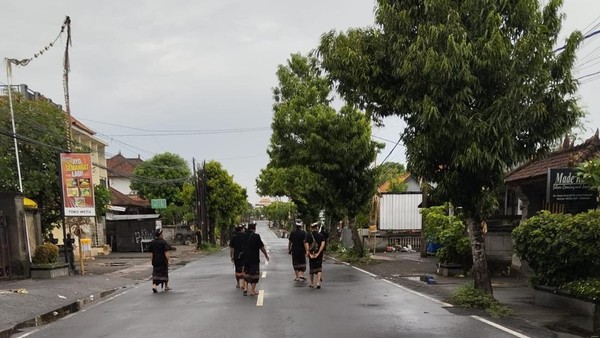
{"type": "Point", "coordinates": [528, 182]}
{"type": "Point", "coordinates": [129, 204]}
{"type": "Point", "coordinates": [263, 202]}
{"type": "Point", "coordinates": [120, 171]}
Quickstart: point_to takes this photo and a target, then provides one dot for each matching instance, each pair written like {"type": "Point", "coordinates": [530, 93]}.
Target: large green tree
{"type": "Point", "coordinates": [319, 157]}
{"type": "Point", "coordinates": [478, 83]}
{"type": "Point", "coordinates": [164, 176]}
{"type": "Point", "coordinates": [42, 134]}
{"type": "Point", "coordinates": [227, 201]}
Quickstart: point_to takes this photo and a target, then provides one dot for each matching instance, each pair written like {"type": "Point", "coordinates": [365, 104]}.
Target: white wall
{"type": "Point", "coordinates": [121, 185]}
{"type": "Point", "coordinates": [400, 211]}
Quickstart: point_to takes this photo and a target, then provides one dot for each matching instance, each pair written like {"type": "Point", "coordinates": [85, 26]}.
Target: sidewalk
{"type": "Point", "coordinates": [406, 268]}
{"type": "Point", "coordinates": [30, 302]}
{"type": "Point", "coordinates": [26, 303]}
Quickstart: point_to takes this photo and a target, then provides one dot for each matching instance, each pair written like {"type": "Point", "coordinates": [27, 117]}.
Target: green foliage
{"type": "Point", "coordinates": [560, 248]}
{"type": "Point", "coordinates": [319, 158]}
{"type": "Point", "coordinates": [469, 297]}
{"type": "Point", "coordinates": [589, 171]}
{"type": "Point", "coordinates": [46, 253]}
{"type": "Point", "coordinates": [588, 288]}
{"type": "Point", "coordinates": [448, 231]}
{"type": "Point", "coordinates": [280, 212]}
{"type": "Point", "coordinates": [227, 200]}
{"type": "Point", "coordinates": [334, 245]}
{"type": "Point", "coordinates": [210, 248]}
{"type": "Point", "coordinates": [163, 176]}
{"type": "Point", "coordinates": [45, 125]}
{"type": "Point", "coordinates": [389, 171]}
{"type": "Point", "coordinates": [396, 185]}
{"type": "Point", "coordinates": [101, 199]}
{"type": "Point", "coordinates": [350, 255]}
{"type": "Point", "coordinates": [478, 84]}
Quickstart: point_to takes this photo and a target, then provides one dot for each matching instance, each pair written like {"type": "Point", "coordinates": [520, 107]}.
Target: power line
{"type": "Point", "coordinates": [585, 37]}
{"type": "Point", "coordinates": [588, 75]}
{"type": "Point", "coordinates": [391, 151]}
{"type": "Point", "coordinates": [194, 132]}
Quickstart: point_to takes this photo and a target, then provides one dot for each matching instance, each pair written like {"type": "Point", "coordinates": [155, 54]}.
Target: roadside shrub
{"type": "Point", "coordinates": [448, 231]}
{"type": "Point", "coordinates": [334, 245]}
{"type": "Point", "coordinates": [469, 297]}
{"type": "Point", "coordinates": [560, 248]}
{"type": "Point", "coordinates": [46, 253]}
{"type": "Point", "coordinates": [587, 289]}
{"type": "Point", "coordinates": [351, 256]}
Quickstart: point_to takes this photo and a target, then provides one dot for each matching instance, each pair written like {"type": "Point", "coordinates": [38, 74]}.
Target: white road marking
{"type": "Point", "coordinates": [500, 327]}
{"type": "Point", "coordinates": [264, 274]}
{"type": "Point", "coordinates": [260, 299]}
{"type": "Point", "coordinates": [444, 304]}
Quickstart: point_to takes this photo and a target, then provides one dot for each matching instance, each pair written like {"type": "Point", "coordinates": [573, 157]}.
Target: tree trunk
{"type": "Point", "coordinates": [481, 274]}
{"type": "Point", "coordinates": [357, 240]}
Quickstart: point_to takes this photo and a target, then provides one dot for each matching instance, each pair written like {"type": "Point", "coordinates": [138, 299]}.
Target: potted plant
{"type": "Point", "coordinates": [45, 262]}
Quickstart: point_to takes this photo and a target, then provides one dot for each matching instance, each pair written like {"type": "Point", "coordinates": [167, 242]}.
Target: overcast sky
{"type": "Point", "coordinates": [142, 71]}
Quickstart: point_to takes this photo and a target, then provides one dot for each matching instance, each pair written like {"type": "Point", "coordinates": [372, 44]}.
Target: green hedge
{"type": "Point", "coordinates": [448, 231]}
{"type": "Point", "coordinates": [560, 248]}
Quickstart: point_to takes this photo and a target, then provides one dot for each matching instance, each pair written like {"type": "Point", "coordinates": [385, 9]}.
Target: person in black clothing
{"type": "Point", "coordinates": [236, 250]}
{"type": "Point", "coordinates": [70, 255]}
{"type": "Point", "coordinates": [254, 245]}
{"type": "Point", "coordinates": [296, 249]}
{"type": "Point", "coordinates": [325, 235]}
{"type": "Point", "coordinates": [314, 246]}
{"type": "Point", "coordinates": [159, 250]}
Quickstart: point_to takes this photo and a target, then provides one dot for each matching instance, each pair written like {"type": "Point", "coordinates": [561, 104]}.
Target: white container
{"type": "Point", "coordinates": [400, 211]}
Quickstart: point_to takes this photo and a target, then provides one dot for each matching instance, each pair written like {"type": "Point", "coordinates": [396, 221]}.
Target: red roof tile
{"type": "Point", "coordinates": [120, 166]}
{"type": "Point", "coordinates": [119, 199]}
{"type": "Point", "coordinates": [563, 158]}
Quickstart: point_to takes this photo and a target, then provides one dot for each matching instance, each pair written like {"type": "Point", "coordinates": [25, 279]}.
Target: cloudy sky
{"type": "Point", "coordinates": [195, 77]}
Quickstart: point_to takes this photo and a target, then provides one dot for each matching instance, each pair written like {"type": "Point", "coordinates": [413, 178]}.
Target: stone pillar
{"type": "Point", "coordinates": [12, 205]}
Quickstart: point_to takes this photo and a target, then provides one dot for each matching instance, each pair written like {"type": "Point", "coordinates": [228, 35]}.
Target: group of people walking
{"type": "Point", "coordinates": [311, 244]}
{"type": "Point", "coordinates": [244, 251]}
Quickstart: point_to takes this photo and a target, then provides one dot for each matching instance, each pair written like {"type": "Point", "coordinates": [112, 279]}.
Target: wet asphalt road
{"type": "Point", "coordinates": [205, 303]}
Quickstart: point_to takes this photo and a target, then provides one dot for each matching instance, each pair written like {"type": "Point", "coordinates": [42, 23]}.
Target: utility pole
{"type": "Point", "coordinates": [202, 203]}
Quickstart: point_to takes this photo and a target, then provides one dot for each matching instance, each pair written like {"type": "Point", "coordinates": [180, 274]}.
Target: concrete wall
{"type": "Point", "coordinates": [12, 206]}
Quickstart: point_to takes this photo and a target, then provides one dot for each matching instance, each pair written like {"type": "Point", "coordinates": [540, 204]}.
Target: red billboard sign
{"type": "Point", "coordinates": [77, 185]}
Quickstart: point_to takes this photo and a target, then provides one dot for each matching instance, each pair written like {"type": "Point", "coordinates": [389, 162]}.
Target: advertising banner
{"type": "Point", "coordinates": [77, 185]}
{"type": "Point", "coordinates": [564, 186]}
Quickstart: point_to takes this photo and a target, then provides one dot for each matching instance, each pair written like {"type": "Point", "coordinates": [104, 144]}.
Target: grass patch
{"type": "Point", "coordinates": [469, 297]}
{"type": "Point", "coordinates": [210, 248]}
{"type": "Point", "coordinates": [351, 256]}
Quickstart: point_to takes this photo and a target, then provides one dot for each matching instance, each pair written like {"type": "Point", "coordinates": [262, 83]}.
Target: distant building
{"type": "Point", "coordinates": [263, 202]}
{"type": "Point", "coordinates": [120, 171]}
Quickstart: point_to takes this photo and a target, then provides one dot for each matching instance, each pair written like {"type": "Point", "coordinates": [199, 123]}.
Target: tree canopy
{"type": "Point", "coordinates": [319, 157]}
{"type": "Point", "coordinates": [478, 83]}
{"type": "Point", "coordinates": [227, 200]}
{"type": "Point", "coordinates": [42, 134]}
{"type": "Point", "coordinates": [163, 176]}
